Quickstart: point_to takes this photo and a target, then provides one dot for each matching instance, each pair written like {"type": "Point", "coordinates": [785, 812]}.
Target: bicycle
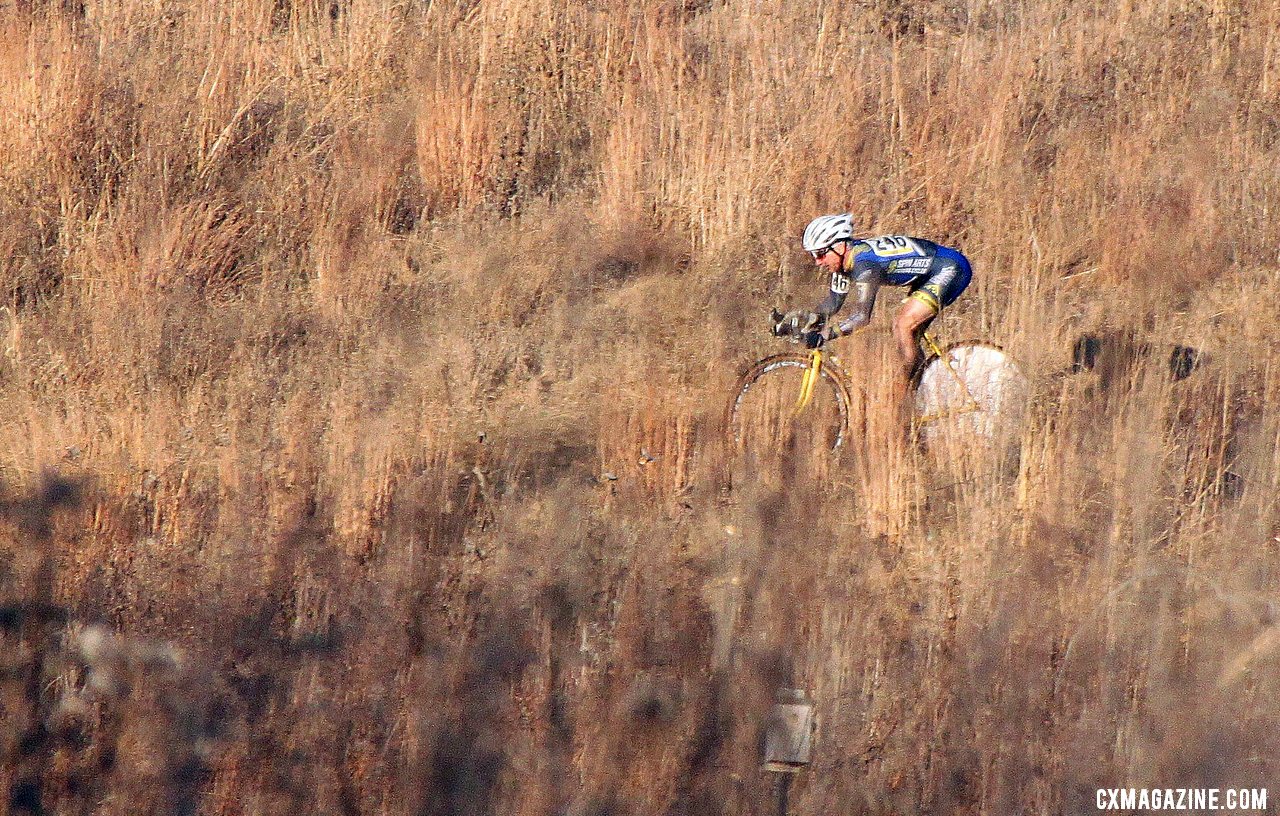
{"type": "Point", "coordinates": [973, 383]}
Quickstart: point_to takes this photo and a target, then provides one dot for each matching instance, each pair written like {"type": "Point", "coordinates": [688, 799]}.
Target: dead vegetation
{"type": "Point", "coordinates": [361, 365]}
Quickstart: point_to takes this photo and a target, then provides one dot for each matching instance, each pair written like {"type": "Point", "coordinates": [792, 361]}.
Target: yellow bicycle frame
{"type": "Point", "coordinates": [814, 371]}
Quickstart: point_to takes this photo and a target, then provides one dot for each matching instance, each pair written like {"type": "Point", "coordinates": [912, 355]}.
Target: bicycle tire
{"type": "Point", "coordinates": [834, 385]}
{"type": "Point", "coordinates": [992, 377]}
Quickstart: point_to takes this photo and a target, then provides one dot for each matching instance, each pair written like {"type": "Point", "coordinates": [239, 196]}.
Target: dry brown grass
{"type": "Point", "coordinates": [324, 321]}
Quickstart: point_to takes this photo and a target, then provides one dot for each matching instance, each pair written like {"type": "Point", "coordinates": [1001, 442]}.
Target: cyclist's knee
{"type": "Point", "coordinates": [912, 319]}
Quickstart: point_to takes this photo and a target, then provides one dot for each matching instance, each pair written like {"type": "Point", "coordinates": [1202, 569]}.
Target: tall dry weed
{"type": "Point", "coordinates": [380, 350]}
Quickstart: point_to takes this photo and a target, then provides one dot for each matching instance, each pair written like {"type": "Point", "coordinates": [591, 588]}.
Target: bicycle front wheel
{"type": "Point", "coordinates": [765, 415]}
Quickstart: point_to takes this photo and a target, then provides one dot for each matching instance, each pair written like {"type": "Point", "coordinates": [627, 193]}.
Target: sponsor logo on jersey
{"type": "Point", "coordinates": [910, 264]}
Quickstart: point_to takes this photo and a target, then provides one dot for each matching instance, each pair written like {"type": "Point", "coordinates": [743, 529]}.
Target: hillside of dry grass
{"type": "Point", "coordinates": [324, 326]}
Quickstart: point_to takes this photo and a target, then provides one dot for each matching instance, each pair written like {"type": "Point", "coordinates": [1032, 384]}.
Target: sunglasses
{"type": "Point", "coordinates": [818, 254]}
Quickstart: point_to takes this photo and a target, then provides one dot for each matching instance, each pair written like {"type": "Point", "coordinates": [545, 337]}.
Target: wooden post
{"type": "Point", "coordinates": [788, 743]}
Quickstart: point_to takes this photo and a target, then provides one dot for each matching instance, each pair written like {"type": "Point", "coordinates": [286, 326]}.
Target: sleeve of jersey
{"type": "Point", "coordinates": [831, 304]}
{"type": "Point", "coordinates": [866, 283]}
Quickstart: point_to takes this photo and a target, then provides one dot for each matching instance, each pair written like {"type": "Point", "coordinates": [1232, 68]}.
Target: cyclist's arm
{"type": "Point", "coordinates": [865, 287]}
{"type": "Point", "coordinates": [835, 297]}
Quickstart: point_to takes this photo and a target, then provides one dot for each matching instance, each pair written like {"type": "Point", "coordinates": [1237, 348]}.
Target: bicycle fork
{"type": "Point", "coordinates": [808, 381]}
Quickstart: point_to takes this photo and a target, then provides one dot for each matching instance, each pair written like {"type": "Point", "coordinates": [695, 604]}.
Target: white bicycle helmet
{"type": "Point", "coordinates": [825, 230]}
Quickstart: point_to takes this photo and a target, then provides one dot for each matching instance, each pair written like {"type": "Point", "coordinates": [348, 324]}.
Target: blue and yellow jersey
{"type": "Point", "coordinates": [935, 274]}
{"type": "Point", "coordinates": [900, 258]}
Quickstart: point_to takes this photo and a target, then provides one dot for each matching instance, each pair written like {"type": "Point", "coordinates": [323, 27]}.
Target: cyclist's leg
{"type": "Point", "coordinates": [938, 289]}
{"type": "Point", "coordinates": [912, 319]}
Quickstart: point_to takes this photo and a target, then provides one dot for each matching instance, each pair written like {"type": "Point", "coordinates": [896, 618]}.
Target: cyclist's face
{"type": "Point", "coordinates": [831, 259]}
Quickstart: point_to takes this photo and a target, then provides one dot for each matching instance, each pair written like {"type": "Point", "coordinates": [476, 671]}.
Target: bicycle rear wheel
{"type": "Point", "coordinates": [763, 414]}
{"type": "Point", "coordinates": [983, 372]}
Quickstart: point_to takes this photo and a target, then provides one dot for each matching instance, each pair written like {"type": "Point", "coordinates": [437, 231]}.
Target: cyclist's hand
{"type": "Point", "coordinates": [791, 324]}
{"type": "Point", "coordinates": [779, 323]}
{"type": "Point", "coordinates": [797, 323]}
{"type": "Point", "coordinates": [818, 338]}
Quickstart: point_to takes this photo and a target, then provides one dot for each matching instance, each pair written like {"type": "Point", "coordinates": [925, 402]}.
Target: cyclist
{"type": "Point", "coordinates": [935, 275]}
